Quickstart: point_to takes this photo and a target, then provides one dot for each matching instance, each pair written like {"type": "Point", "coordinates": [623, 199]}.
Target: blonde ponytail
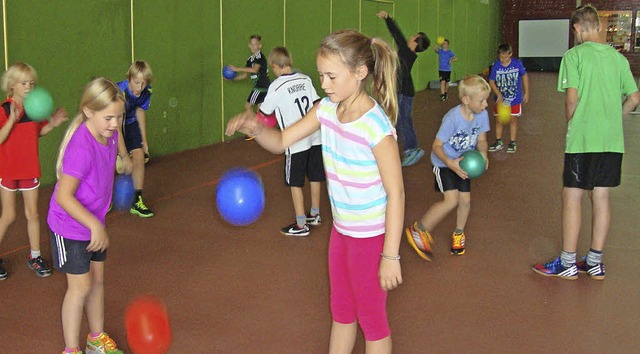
{"type": "Point", "coordinates": [98, 94]}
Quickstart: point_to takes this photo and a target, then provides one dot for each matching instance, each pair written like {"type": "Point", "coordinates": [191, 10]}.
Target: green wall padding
{"type": "Point", "coordinates": [68, 46]}
{"type": "Point", "coordinates": [188, 42]}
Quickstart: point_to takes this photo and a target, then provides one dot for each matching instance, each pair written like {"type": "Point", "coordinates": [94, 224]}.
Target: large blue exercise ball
{"type": "Point", "coordinates": [123, 192]}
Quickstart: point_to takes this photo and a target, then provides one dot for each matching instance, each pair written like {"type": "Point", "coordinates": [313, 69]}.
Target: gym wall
{"type": "Point", "coordinates": [188, 42]}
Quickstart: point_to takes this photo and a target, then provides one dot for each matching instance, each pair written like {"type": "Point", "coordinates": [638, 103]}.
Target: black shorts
{"type": "Point", "coordinates": [132, 136]}
{"type": "Point", "coordinates": [71, 256]}
{"type": "Point", "coordinates": [304, 163]}
{"type": "Point", "coordinates": [445, 75]}
{"type": "Point", "coordinates": [256, 97]}
{"type": "Point", "coordinates": [447, 180]}
{"type": "Point", "coordinates": [589, 170]}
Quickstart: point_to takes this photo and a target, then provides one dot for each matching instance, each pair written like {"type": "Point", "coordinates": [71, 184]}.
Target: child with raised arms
{"type": "Point", "coordinates": [364, 180]}
{"type": "Point", "coordinates": [463, 128]}
{"type": "Point", "coordinates": [19, 164]}
{"type": "Point", "coordinates": [80, 200]}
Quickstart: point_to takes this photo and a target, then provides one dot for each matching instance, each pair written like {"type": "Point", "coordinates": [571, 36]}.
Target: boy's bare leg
{"type": "Point", "coordinates": [464, 206]}
{"type": "Point", "coordinates": [298, 200]}
{"type": "Point", "coordinates": [439, 210]}
{"type": "Point", "coordinates": [499, 129]}
{"type": "Point", "coordinates": [137, 157]}
{"type": "Point", "coordinates": [316, 188]}
{"type": "Point", "coordinates": [571, 218]}
{"type": "Point", "coordinates": [513, 128]}
{"type": "Point", "coordinates": [601, 217]}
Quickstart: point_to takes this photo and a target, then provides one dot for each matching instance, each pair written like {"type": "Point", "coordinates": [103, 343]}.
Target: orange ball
{"type": "Point", "coordinates": [147, 324]}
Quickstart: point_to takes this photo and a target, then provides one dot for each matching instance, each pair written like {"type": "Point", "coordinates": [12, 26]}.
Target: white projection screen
{"type": "Point", "coordinates": [543, 38]}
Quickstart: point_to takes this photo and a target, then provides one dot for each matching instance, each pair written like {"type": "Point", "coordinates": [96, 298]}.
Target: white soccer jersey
{"type": "Point", "coordinates": [291, 96]}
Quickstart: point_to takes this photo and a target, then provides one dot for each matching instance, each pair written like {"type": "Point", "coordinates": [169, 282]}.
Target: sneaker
{"type": "Point", "coordinates": [497, 146]}
{"type": "Point", "coordinates": [248, 138]}
{"type": "Point", "coordinates": [3, 273]}
{"type": "Point", "coordinates": [443, 98]}
{"type": "Point", "coordinates": [75, 351]}
{"type": "Point", "coordinates": [511, 148]}
{"type": "Point", "coordinates": [421, 241]}
{"type": "Point", "coordinates": [556, 269]}
{"type": "Point", "coordinates": [314, 220]}
{"type": "Point", "coordinates": [102, 345]}
{"type": "Point", "coordinates": [295, 230]}
{"type": "Point", "coordinates": [138, 208]}
{"type": "Point", "coordinates": [411, 157]}
{"type": "Point", "coordinates": [39, 266]}
{"type": "Point", "coordinates": [457, 244]}
{"type": "Point", "coordinates": [595, 272]}
{"type": "Point", "coordinates": [147, 157]}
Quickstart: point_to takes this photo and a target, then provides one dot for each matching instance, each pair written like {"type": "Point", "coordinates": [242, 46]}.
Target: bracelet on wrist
{"type": "Point", "coordinates": [390, 258]}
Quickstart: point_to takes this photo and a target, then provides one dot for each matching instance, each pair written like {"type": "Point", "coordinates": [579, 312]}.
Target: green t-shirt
{"type": "Point", "coordinates": [601, 75]}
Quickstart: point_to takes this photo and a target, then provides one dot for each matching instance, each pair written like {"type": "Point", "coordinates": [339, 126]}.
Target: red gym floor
{"type": "Point", "coordinates": [251, 290]}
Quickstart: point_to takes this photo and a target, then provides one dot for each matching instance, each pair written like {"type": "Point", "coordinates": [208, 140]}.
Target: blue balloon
{"type": "Point", "coordinates": [123, 192]}
{"type": "Point", "coordinates": [240, 197]}
{"type": "Point", "coordinates": [228, 73]}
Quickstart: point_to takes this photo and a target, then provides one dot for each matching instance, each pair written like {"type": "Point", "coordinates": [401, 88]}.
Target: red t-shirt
{"type": "Point", "coordinates": [19, 152]}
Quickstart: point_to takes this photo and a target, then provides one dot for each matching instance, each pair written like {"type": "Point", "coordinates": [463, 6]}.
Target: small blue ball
{"type": "Point", "coordinates": [240, 197]}
{"type": "Point", "coordinates": [228, 73]}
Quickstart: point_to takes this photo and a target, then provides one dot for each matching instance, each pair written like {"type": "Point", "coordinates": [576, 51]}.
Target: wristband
{"type": "Point", "coordinates": [390, 258]}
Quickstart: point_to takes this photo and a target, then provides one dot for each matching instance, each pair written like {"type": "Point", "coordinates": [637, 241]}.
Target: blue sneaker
{"type": "Point", "coordinates": [595, 272]}
{"type": "Point", "coordinates": [556, 269]}
{"type": "Point", "coordinates": [411, 157]}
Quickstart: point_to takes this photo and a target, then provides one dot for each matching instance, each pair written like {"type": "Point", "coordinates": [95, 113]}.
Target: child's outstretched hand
{"type": "Point", "coordinates": [382, 14]}
{"type": "Point", "coordinates": [390, 274]}
{"type": "Point", "coordinates": [245, 123]}
{"type": "Point", "coordinates": [99, 240]}
{"type": "Point", "coordinates": [59, 116]}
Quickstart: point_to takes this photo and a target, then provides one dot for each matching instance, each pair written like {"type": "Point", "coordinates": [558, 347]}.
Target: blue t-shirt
{"type": "Point", "coordinates": [458, 134]}
{"type": "Point", "coordinates": [444, 56]}
{"type": "Point", "coordinates": [509, 80]}
{"type": "Point", "coordinates": [133, 102]}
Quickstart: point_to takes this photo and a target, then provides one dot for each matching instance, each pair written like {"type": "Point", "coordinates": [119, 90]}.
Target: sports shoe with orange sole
{"type": "Point", "coordinates": [421, 241]}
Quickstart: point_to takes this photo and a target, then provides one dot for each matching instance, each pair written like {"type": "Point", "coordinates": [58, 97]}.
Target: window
{"type": "Point", "coordinates": [617, 25]}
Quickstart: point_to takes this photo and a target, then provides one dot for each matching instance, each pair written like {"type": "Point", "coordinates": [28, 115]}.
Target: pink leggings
{"type": "Point", "coordinates": [356, 293]}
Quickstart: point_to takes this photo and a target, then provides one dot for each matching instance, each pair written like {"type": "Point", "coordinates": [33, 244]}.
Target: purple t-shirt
{"type": "Point", "coordinates": [458, 134]}
{"type": "Point", "coordinates": [93, 164]}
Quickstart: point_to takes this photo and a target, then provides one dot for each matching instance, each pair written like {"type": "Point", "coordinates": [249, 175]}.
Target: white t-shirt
{"type": "Point", "coordinates": [291, 96]}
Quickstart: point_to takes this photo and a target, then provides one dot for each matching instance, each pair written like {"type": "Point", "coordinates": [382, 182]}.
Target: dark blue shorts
{"type": "Point", "coordinates": [589, 170]}
{"type": "Point", "coordinates": [71, 256]}
{"type": "Point", "coordinates": [445, 75]}
{"type": "Point", "coordinates": [303, 164]}
{"type": "Point", "coordinates": [447, 180]}
{"type": "Point", "coordinates": [132, 136]}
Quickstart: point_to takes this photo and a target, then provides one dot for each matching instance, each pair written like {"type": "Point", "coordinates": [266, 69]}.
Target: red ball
{"type": "Point", "coordinates": [147, 324]}
{"type": "Point", "coordinates": [270, 120]}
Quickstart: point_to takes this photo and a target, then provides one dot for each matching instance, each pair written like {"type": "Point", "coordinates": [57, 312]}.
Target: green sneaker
{"type": "Point", "coordinates": [140, 209]}
{"type": "Point", "coordinates": [102, 345]}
